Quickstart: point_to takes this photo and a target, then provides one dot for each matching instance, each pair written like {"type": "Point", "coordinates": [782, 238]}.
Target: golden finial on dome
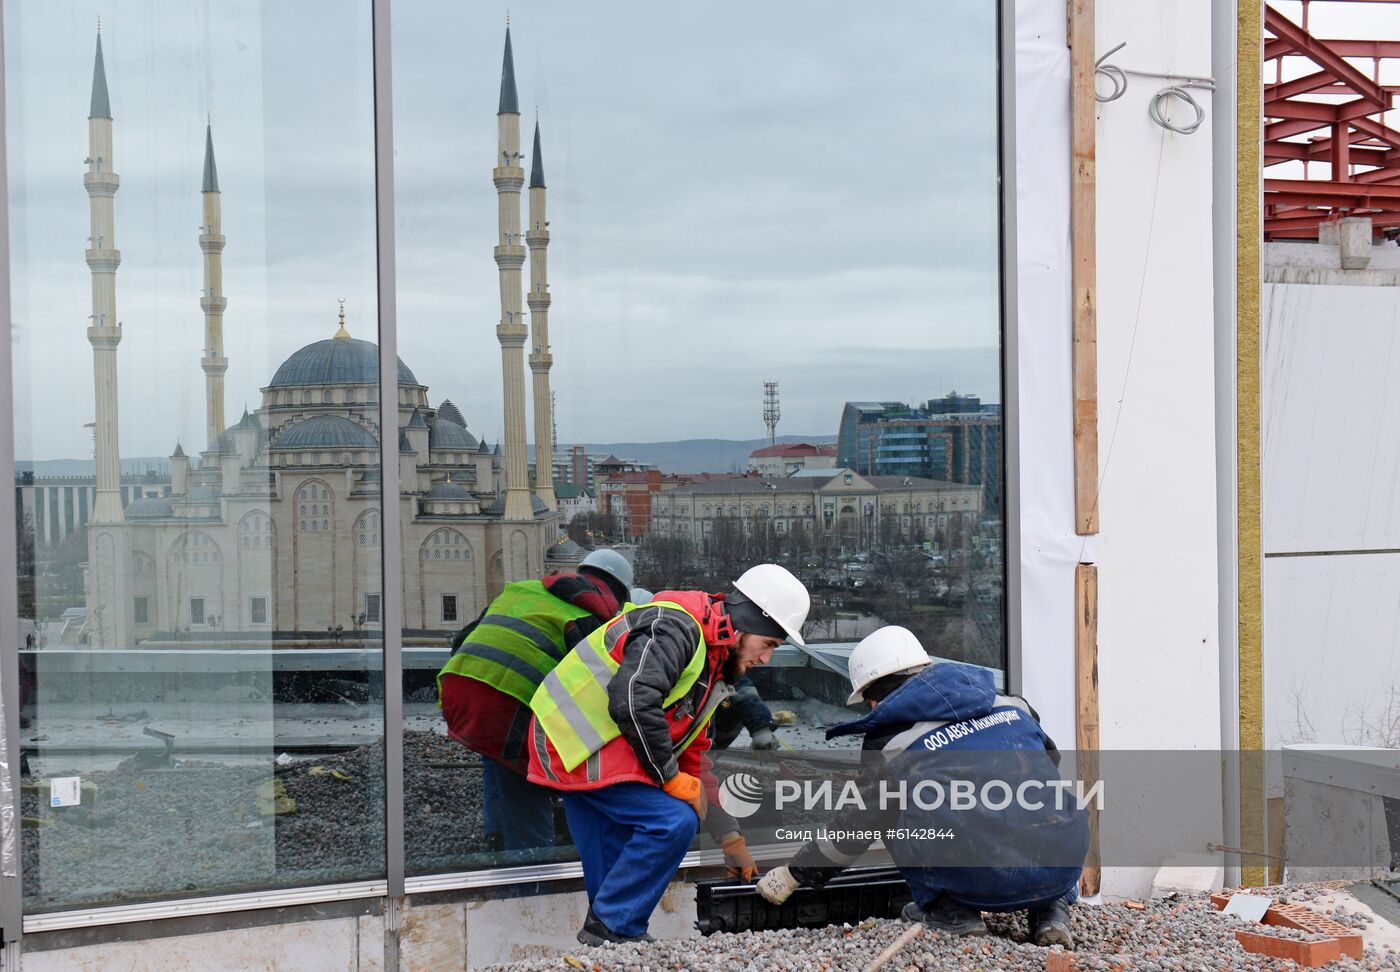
{"type": "Point", "coordinates": [342, 333]}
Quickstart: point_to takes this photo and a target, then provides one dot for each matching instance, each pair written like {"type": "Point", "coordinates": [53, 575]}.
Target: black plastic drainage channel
{"type": "Point", "coordinates": [854, 896]}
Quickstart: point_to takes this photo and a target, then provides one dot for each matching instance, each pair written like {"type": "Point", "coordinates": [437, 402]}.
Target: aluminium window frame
{"type": "Point", "coordinates": [395, 883]}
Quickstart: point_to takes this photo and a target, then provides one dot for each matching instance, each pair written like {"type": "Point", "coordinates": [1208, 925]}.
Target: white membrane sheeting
{"type": "Point", "coordinates": [1157, 549]}
{"type": "Point", "coordinates": [1331, 429]}
{"type": "Point", "coordinates": [1331, 418]}
{"type": "Point", "coordinates": [1049, 548]}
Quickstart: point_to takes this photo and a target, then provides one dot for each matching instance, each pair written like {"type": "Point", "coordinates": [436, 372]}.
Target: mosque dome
{"type": "Point", "coordinates": [449, 435]}
{"type": "Point", "coordinates": [336, 361]}
{"type": "Point", "coordinates": [149, 507]}
{"type": "Point", "coordinates": [326, 432]}
{"type": "Point", "coordinates": [450, 492]}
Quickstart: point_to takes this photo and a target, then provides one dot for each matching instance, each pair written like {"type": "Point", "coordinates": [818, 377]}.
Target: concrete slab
{"type": "Point", "coordinates": [433, 938]}
{"type": "Point", "coordinates": [1378, 933]}
{"type": "Point", "coordinates": [311, 946]}
{"type": "Point", "coordinates": [370, 943]}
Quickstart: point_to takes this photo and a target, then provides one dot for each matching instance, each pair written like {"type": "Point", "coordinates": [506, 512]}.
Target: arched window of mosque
{"type": "Point", "coordinates": [306, 398]}
{"type": "Point", "coordinates": [325, 524]}
{"type": "Point", "coordinates": [362, 539]}
{"type": "Point", "coordinates": [303, 524]}
{"type": "Point", "coordinates": [349, 395]}
{"type": "Point", "coordinates": [303, 506]}
{"type": "Point", "coordinates": [374, 522]}
{"type": "Point", "coordinates": [335, 458]}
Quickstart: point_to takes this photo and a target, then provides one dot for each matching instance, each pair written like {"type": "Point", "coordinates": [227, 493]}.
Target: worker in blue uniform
{"type": "Point", "coordinates": [934, 724]}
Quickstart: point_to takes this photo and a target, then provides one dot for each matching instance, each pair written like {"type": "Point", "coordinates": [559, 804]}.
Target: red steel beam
{"type": "Point", "coordinates": [1321, 151]}
{"type": "Point", "coordinates": [1321, 55]}
{"type": "Point", "coordinates": [1366, 130]}
{"type": "Point", "coordinates": [1343, 48]}
{"type": "Point", "coordinates": [1304, 85]}
{"type": "Point", "coordinates": [1316, 192]}
{"type": "Point", "coordinates": [1307, 110]}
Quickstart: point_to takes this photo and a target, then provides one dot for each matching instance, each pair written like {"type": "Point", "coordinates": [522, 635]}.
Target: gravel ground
{"type": "Point", "coordinates": [1178, 933]}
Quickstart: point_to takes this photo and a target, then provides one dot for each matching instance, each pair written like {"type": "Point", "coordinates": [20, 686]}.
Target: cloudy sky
{"type": "Point", "coordinates": [799, 191]}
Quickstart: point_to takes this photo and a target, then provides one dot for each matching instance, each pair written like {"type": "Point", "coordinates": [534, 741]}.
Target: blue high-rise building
{"type": "Point", "coordinates": [956, 439]}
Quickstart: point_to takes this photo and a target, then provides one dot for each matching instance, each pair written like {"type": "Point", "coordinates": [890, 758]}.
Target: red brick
{"type": "Point", "coordinates": [1307, 954]}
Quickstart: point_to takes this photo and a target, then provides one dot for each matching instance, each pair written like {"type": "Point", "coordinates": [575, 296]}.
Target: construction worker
{"type": "Point", "coordinates": [622, 727]}
{"type": "Point", "coordinates": [498, 662]}
{"type": "Point", "coordinates": [745, 709]}
{"type": "Point", "coordinates": [944, 722]}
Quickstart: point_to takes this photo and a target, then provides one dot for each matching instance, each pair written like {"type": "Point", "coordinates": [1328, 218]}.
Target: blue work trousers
{"type": "Point", "coordinates": [515, 808]}
{"type": "Point", "coordinates": [992, 888]}
{"type": "Point", "coordinates": [631, 838]}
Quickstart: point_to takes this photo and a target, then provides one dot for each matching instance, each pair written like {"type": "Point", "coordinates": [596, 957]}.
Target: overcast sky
{"type": "Point", "coordinates": [798, 191]}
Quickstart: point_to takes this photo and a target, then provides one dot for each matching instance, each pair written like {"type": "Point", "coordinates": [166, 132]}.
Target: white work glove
{"type": "Point", "coordinates": [763, 739]}
{"type": "Point", "coordinates": [777, 885]}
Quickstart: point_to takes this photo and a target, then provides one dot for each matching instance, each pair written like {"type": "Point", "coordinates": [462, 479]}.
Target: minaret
{"type": "Point", "coordinates": [510, 257]}
{"type": "Point", "coordinates": [211, 241]}
{"type": "Point", "coordinates": [537, 239]}
{"type": "Point", "coordinates": [103, 258]}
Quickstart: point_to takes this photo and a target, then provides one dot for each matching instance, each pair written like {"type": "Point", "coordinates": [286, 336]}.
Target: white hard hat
{"type": "Point", "coordinates": [884, 652]}
{"type": "Point", "coordinates": [610, 562]}
{"type": "Point", "coordinates": [640, 595]}
{"type": "Point", "coordinates": [779, 594]}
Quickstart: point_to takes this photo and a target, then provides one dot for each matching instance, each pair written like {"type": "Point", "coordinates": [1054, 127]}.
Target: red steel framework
{"type": "Point", "coordinates": [1347, 132]}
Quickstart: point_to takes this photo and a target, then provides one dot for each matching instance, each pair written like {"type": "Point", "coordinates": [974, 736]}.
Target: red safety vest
{"type": "Point", "coordinates": [617, 762]}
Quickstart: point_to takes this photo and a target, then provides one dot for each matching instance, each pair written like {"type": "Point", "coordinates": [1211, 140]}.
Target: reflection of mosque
{"type": "Point", "coordinates": [276, 528]}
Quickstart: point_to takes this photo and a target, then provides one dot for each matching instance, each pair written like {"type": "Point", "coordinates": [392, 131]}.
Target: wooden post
{"type": "Point", "coordinates": [1083, 112]}
{"type": "Point", "coordinates": [1086, 697]}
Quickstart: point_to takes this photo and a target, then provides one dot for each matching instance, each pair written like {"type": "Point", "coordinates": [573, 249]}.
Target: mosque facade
{"type": "Point", "coordinates": [274, 530]}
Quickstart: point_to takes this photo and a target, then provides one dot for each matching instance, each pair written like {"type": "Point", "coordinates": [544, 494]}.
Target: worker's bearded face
{"type": "Point", "coordinates": [749, 650]}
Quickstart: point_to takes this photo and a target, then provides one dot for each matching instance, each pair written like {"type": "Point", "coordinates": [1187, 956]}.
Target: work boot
{"type": "Point", "coordinates": [1049, 924]}
{"type": "Point", "coordinates": [946, 915]}
{"type": "Point", "coordinates": [594, 932]}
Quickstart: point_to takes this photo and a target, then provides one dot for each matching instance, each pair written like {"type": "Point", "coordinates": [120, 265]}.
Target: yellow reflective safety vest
{"type": "Point", "coordinates": [517, 642]}
{"type": "Point", "coordinates": [571, 705]}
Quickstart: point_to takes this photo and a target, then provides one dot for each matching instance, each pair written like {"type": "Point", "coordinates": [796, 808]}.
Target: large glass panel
{"type": "Point", "coordinates": [192, 194]}
{"type": "Point", "coordinates": [768, 330]}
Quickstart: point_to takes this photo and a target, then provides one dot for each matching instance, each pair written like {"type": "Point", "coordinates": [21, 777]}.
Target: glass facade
{"type": "Point", "coordinates": [648, 262]}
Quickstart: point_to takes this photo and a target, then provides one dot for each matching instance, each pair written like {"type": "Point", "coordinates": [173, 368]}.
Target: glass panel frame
{"type": "Point", "coordinates": [395, 884]}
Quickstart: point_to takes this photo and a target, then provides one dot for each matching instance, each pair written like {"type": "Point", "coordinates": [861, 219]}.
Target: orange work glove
{"type": "Point", "coordinates": [688, 789]}
{"type": "Point", "coordinates": [737, 859]}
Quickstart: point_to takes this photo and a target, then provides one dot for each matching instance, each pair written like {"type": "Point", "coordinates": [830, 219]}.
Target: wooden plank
{"type": "Point", "coordinates": [1083, 111]}
{"type": "Point", "coordinates": [1086, 698]}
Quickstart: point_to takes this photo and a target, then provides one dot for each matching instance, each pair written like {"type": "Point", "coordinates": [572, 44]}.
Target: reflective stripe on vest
{"type": "Point", "coordinates": [517, 642]}
{"type": "Point", "coordinates": [571, 705]}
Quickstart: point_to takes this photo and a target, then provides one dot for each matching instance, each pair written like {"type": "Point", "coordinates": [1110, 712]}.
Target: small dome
{"type": "Point", "coordinates": [326, 432]}
{"type": "Point", "coordinates": [336, 361]}
{"type": "Point", "coordinates": [565, 550]}
{"type": "Point", "coordinates": [149, 508]}
{"type": "Point", "coordinates": [498, 505]}
{"type": "Point", "coordinates": [449, 492]}
{"type": "Point", "coordinates": [449, 435]}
